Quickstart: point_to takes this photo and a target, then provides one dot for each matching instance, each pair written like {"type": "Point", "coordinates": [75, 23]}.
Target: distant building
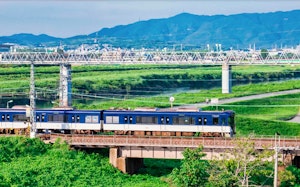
{"type": "Point", "coordinates": [5, 47]}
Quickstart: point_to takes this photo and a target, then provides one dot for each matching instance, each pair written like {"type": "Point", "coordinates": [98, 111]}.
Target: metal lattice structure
{"type": "Point", "coordinates": [32, 103]}
{"type": "Point", "coordinates": [291, 56]}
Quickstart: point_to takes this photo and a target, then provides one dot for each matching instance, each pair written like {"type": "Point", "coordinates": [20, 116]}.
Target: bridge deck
{"type": "Point", "coordinates": [151, 141]}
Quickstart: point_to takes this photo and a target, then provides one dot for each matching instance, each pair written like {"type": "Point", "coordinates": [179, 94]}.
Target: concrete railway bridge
{"type": "Point", "coordinates": [226, 59]}
{"type": "Point", "coordinates": [127, 152]}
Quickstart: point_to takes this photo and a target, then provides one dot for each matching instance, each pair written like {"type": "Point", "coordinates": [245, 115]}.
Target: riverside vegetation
{"type": "Point", "coordinates": [21, 160]}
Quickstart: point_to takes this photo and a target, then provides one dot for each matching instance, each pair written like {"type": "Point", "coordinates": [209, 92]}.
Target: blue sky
{"type": "Point", "coordinates": [73, 17]}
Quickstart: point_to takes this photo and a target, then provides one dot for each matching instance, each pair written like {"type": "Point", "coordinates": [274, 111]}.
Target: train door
{"type": "Point", "coordinates": [164, 122]}
{"type": "Point", "coordinates": [128, 120]}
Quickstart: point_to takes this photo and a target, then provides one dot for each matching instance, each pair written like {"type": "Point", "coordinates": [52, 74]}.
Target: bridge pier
{"type": "Point", "coordinates": [125, 164]}
{"type": "Point", "coordinates": [65, 86]}
{"type": "Point", "coordinates": [226, 78]}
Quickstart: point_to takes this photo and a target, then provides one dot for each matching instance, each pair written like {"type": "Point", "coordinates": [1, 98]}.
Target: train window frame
{"type": "Point", "coordinates": [19, 117]}
{"type": "Point", "coordinates": [183, 120]}
{"type": "Point", "coordinates": [167, 120]}
{"type": "Point", "coordinates": [162, 120]}
{"type": "Point", "coordinates": [146, 120]}
{"type": "Point", "coordinates": [215, 120]}
{"type": "Point", "coordinates": [91, 119]}
{"type": "Point", "coordinates": [200, 121]}
{"type": "Point", "coordinates": [112, 119]}
{"type": "Point", "coordinates": [37, 118]}
{"type": "Point", "coordinates": [56, 118]}
{"type": "Point", "coordinates": [88, 119]}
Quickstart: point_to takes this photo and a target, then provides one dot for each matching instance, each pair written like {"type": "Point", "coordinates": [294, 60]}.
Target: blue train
{"type": "Point", "coordinates": [139, 122]}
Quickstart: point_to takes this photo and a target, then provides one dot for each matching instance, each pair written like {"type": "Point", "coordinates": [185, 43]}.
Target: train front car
{"type": "Point", "coordinates": [170, 123]}
{"type": "Point", "coordinates": [13, 121]}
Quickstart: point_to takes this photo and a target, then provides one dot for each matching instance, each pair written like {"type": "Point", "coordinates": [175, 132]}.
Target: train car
{"type": "Point", "coordinates": [69, 121]}
{"type": "Point", "coordinates": [125, 122]}
{"type": "Point", "coordinates": [169, 123]}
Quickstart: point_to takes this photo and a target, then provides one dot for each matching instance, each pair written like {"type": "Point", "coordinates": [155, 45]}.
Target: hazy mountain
{"type": "Point", "coordinates": [30, 39]}
{"type": "Point", "coordinates": [240, 30]}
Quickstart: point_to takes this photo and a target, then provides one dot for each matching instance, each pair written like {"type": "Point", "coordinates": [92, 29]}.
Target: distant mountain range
{"type": "Point", "coordinates": [263, 30]}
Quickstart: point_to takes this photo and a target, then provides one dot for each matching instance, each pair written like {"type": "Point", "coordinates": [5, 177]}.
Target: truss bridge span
{"type": "Point", "coordinates": [153, 57]}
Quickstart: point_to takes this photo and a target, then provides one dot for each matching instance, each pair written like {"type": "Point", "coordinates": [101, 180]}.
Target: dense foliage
{"type": "Point", "coordinates": [30, 162]}
{"type": "Point", "coordinates": [193, 171]}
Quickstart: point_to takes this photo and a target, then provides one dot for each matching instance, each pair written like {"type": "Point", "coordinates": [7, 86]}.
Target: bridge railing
{"type": "Point", "coordinates": [207, 142]}
{"type": "Point", "coordinates": [153, 57]}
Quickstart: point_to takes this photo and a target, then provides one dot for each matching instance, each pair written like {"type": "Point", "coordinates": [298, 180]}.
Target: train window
{"type": "Point", "coordinates": [112, 119]}
{"type": "Point", "coordinates": [204, 121]}
{"type": "Point", "coordinates": [91, 119]}
{"type": "Point", "coordinates": [73, 118]}
{"type": "Point", "coordinates": [43, 118]}
{"type": "Point", "coordinates": [7, 117]}
{"type": "Point", "coordinates": [88, 119]}
{"type": "Point", "coordinates": [56, 118]}
{"type": "Point", "coordinates": [130, 119]}
{"type": "Point", "coordinates": [215, 121]}
{"type": "Point", "coordinates": [183, 121]}
{"type": "Point", "coordinates": [19, 117]}
{"type": "Point", "coordinates": [95, 119]}
{"type": "Point", "coordinates": [125, 119]}
{"type": "Point", "coordinates": [146, 120]}
{"type": "Point", "coordinates": [167, 120]}
{"type": "Point", "coordinates": [3, 117]}
{"type": "Point", "coordinates": [77, 119]}
{"type": "Point", "coordinates": [200, 121]}
{"type": "Point", "coordinates": [37, 118]}
{"type": "Point", "coordinates": [162, 120]}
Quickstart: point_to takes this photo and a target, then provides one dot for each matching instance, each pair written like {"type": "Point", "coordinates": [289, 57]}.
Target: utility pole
{"type": "Point", "coordinates": [32, 102]}
{"type": "Point", "coordinates": [277, 148]}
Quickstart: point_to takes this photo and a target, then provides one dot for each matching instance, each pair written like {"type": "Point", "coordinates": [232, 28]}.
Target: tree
{"type": "Point", "coordinates": [244, 165]}
{"type": "Point", "coordinates": [193, 170]}
{"type": "Point", "coordinates": [264, 53]}
{"type": "Point", "coordinates": [290, 176]}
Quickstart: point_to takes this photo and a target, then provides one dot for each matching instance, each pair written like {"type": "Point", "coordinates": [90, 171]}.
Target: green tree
{"type": "Point", "coordinates": [192, 171]}
{"type": "Point", "coordinates": [264, 53]}
{"type": "Point", "coordinates": [242, 166]}
{"type": "Point", "coordinates": [290, 177]}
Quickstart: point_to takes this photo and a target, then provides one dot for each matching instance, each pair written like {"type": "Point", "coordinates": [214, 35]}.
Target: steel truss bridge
{"type": "Point", "coordinates": [154, 57]}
